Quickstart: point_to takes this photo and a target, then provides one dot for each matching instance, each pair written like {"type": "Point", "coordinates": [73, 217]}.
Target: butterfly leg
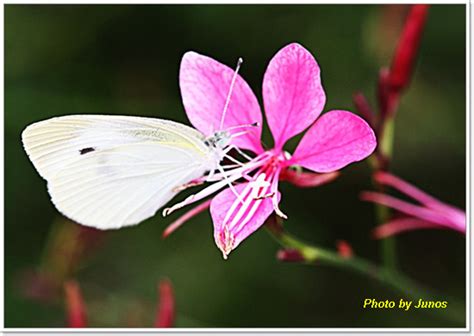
{"type": "Point", "coordinates": [238, 150]}
{"type": "Point", "coordinates": [229, 183]}
{"type": "Point", "coordinates": [242, 153]}
{"type": "Point", "coordinates": [225, 178]}
{"type": "Point", "coordinates": [237, 162]}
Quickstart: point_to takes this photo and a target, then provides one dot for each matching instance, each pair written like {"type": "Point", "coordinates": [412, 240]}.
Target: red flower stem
{"type": "Point", "coordinates": [391, 84]}
{"type": "Point", "coordinates": [387, 96]}
{"type": "Point", "coordinates": [397, 281]}
{"type": "Point", "coordinates": [404, 59]}
{"type": "Point", "coordinates": [166, 308]}
{"type": "Point", "coordinates": [365, 110]}
{"type": "Point", "coordinates": [76, 310]}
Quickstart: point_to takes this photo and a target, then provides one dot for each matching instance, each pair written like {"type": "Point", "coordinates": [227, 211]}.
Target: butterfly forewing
{"type": "Point", "coordinates": [113, 171]}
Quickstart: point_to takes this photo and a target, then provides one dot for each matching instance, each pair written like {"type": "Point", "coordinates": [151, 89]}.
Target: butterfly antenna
{"type": "Point", "coordinates": [255, 124]}
{"type": "Point", "coordinates": [238, 134]}
{"type": "Point", "coordinates": [231, 88]}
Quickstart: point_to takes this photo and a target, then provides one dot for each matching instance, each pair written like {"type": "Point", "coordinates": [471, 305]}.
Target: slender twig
{"type": "Point", "coordinates": [392, 82]}
{"type": "Point", "coordinates": [300, 251]}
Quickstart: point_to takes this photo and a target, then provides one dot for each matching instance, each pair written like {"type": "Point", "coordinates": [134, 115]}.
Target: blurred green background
{"type": "Point", "coordinates": [124, 60]}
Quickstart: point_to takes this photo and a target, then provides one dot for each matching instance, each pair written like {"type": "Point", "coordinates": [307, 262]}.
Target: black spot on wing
{"type": "Point", "coordinates": [86, 150]}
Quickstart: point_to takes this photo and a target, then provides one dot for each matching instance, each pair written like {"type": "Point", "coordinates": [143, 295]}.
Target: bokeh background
{"type": "Point", "coordinates": [124, 59]}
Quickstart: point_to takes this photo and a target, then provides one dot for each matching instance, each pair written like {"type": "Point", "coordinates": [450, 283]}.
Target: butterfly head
{"type": "Point", "coordinates": [218, 140]}
{"type": "Point", "coordinates": [221, 139]}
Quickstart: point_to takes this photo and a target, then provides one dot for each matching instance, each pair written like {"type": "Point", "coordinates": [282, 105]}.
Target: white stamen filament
{"type": "Point", "coordinates": [231, 176]}
{"type": "Point", "coordinates": [255, 205]}
{"type": "Point", "coordinates": [249, 193]}
{"type": "Point", "coordinates": [234, 205]}
{"type": "Point", "coordinates": [254, 187]}
{"type": "Point", "coordinates": [254, 193]}
{"type": "Point", "coordinates": [274, 190]}
{"type": "Point", "coordinates": [229, 183]}
{"type": "Point", "coordinates": [249, 166]}
{"type": "Point", "coordinates": [232, 166]}
{"type": "Point", "coordinates": [209, 177]}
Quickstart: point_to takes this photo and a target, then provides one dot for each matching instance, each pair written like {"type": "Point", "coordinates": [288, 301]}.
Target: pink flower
{"type": "Point", "coordinates": [431, 213]}
{"type": "Point", "coordinates": [294, 99]}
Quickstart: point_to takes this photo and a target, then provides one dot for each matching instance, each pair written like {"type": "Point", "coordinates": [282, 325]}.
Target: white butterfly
{"type": "Point", "coordinates": [113, 171]}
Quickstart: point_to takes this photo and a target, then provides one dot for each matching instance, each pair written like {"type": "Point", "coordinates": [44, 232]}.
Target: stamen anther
{"type": "Point", "coordinates": [269, 195]}
{"type": "Point", "coordinates": [226, 241]}
{"type": "Point", "coordinates": [187, 185]}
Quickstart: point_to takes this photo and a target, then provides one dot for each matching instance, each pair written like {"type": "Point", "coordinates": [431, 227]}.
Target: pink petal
{"type": "Point", "coordinates": [407, 188]}
{"type": "Point", "coordinates": [400, 225]}
{"type": "Point", "coordinates": [457, 216]}
{"type": "Point", "coordinates": [184, 218]}
{"type": "Point", "coordinates": [337, 139]}
{"type": "Point", "coordinates": [307, 180]}
{"type": "Point", "coordinates": [204, 84]}
{"type": "Point", "coordinates": [229, 236]}
{"type": "Point", "coordinates": [292, 92]}
{"type": "Point", "coordinates": [409, 209]}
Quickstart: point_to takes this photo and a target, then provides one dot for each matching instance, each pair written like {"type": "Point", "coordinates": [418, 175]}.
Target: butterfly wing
{"type": "Point", "coordinates": [114, 171]}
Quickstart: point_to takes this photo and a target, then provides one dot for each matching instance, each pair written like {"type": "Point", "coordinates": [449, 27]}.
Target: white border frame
{"type": "Point", "coordinates": [184, 331]}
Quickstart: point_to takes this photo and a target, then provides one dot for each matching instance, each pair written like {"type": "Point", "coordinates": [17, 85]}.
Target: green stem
{"type": "Point", "coordinates": [389, 256]}
{"type": "Point", "coordinates": [385, 275]}
{"type": "Point", "coordinates": [388, 245]}
{"type": "Point", "coordinates": [386, 141]}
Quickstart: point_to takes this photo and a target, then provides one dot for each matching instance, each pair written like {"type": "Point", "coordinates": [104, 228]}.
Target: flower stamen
{"type": "Point", "coordinates": [274, 191]}
{"type": "Point", "coordinates": [269, 195]}
{"type": "Point", "coordinates": [223, 179]}
{"type": "Point", "coordinates": [254, 191]}
{"type": "Point", "coordinates": [259, 186]}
